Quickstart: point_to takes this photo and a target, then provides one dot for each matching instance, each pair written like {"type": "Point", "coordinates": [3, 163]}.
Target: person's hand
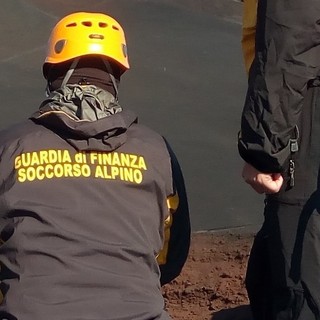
{"type": "Point", "coordinates": [262, 182]}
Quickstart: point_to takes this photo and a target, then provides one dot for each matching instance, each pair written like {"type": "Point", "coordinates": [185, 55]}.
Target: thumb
{"type": "Point", "coordinates": [277, 176]}
{"type": "Point", "coordinates": [277, 181]}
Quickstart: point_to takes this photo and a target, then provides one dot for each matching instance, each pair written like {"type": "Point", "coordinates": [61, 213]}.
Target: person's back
{"type": "Point", "coordinates": [83, 204]}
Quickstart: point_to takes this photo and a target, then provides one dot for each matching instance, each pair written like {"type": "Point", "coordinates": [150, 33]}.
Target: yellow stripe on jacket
{"type": "Point", "coordinates": [173, 203]}
{"type": "Point", "coordinates": [249, 21]}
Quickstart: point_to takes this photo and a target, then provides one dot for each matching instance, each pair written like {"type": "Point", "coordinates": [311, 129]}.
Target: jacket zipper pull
{"type": "Point", "coordinates": [291, 172]}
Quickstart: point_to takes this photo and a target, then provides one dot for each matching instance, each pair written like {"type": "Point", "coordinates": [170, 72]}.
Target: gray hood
{"type": "Point", "coordinates": [87, 117]}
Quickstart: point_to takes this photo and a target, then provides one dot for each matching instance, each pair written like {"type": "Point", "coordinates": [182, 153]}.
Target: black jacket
{"type": "Point", "coordinates": [286, 60]}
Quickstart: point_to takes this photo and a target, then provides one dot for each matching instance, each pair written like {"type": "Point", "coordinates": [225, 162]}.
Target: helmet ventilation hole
{"type": "Point", "coordinates": [96, 36]}
{"type": "Point", "coordinates": [115, 28]}
{"type": "Point", "coordinates": [73, 24]}
{"type": "Point", "coordinates": [59, 46]}
{"type": "Point", "coordinates": [124, 50]}
{"type": "Point", "coordinates": [87, 23]}
{"type": "Point", "coordinates": [103, 24]}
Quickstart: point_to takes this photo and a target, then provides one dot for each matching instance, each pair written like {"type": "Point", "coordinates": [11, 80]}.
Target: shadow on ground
{"type": "Point", "coordinates": [238, 313]}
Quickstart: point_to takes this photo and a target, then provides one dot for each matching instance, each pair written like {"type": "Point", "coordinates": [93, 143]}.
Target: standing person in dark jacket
{"type": "Point", "coordinates": [91, 202]}
{"type": "Point", "coordinates": [279, 141]}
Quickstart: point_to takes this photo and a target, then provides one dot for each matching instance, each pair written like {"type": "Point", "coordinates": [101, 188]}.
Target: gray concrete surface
{"type": "Point", "coordinates": [187, 81]}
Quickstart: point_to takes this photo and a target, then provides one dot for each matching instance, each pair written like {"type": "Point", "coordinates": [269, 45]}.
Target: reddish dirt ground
{"type": "Point", "coordinates": [211, 285]}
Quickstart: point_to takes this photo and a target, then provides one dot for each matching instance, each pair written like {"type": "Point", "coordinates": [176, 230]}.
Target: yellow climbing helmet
{"type": "Point", "coordinates": [87, 33]}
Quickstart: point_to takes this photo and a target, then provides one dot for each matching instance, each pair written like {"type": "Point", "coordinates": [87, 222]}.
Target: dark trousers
{"type": "Point", "coordinates": [283, 274]}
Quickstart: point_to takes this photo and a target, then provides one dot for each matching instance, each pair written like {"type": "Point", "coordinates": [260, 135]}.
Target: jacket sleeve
{"type": "Point", "coordinates": [177, 227]}
{"type": "Point", "coordinates": [287, 55]}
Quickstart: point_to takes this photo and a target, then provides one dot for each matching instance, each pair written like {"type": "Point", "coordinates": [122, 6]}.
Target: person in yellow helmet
{"type": "Point", "coordinates": [93, 206]}
{"type": "Point", "coordinates": [279, 143]}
